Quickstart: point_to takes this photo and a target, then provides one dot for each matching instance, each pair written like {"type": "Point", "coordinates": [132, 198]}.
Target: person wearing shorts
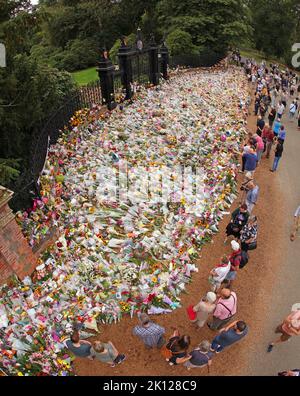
{"type": "Point", "coordinates": [288, 328]}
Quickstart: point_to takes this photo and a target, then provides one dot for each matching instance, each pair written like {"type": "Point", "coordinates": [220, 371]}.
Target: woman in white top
{"type": "Point", "coordinates": [219, 273]}
{"type": "Point", "coordinates": [296, 225]}
{"type": "Point", "coordinates": [205, 307]}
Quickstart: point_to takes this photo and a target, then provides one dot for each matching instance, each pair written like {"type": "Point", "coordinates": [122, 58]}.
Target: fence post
{"type": "Point", "coordinates": [106, 76]}
{"type": "Point", "coordinates": [153, 63]}
{"type": "Point", "coordinates": [125, 55]}
{"type": "Point", "coordinates": [164, 60]}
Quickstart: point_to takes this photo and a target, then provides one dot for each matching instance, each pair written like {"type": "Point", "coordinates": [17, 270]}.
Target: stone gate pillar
{"type": "Point", "coordinates": [16, 256]}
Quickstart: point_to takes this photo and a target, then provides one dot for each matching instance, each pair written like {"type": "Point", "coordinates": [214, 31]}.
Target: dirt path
{"type": "Point", "coordinates": [252, 286]}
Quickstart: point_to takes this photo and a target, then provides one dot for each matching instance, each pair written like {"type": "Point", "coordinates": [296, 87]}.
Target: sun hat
{"type": "Point", "coordinates": [235, 246]}
{"type": "Point", "coordinates": [211, 297]}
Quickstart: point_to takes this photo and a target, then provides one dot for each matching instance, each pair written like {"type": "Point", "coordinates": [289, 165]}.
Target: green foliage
{"type": "Point", "coordinates": [29, 92]}
{"type": "Point", "coordinates": [180, 42]}
{"type": "Point", "coordinates": [9, 170]}
{"type": "Point", "coordinates": [113, 53]}
{"type": "Point", "coordinates": [276, 26]}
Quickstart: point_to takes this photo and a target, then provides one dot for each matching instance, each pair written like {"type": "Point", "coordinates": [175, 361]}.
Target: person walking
{"type": "Point", "coordinates": [268, 138]}
{"type": "Point", "coordinates": [293, 109]}
{"type": "Point", "coordinates": [260, 125]}
{"type": "Point", "coordinates": [200, 357]}
{"type": "Point", "coordinates": [278, 155]}
{"type": "Point", "coordinates": [288, 328]}
{"type": "Point", "coordinates": [219, 273]}
{"type": "Point", "coordinates": [228, 336]}
{"type": "Point", "coordinates": [106, 353]}
{"type": "Point", "coordinates": [150, 333]}
{"type": "Point", "coordinates": [296, 224]}
{"type": "Point", "coordinates": [225, 310]}
{"type": "Point", "coordinates": [239, 218]}
{"type": "Point", "coordinates": [78, 347]}
{"type": "Point", "coordinates": [249, 235]}
{"type": "Point", "coordinates": [204, 308]}
{"type": "Point", "coordinates": [252, 196]}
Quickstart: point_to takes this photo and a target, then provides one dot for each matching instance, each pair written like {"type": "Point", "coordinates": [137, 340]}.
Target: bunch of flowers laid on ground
{"type": "Point", "coordinates": [114, 258]}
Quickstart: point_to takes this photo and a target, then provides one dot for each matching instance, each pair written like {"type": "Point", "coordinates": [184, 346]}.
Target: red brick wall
{"type": "Point", "coordinates": [15, 251]}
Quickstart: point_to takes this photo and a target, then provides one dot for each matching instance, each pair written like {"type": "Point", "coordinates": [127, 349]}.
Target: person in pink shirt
{"type": "Point", "coordinates": [288, 328]}
{"type": "Point", "coordinates": [260, 146]}
{"type": "Point", "coordinates": [226, 307]}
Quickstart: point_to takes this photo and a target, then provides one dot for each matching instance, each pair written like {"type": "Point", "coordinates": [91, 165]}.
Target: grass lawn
{"type": "Point", "coordinates": [83, 77]}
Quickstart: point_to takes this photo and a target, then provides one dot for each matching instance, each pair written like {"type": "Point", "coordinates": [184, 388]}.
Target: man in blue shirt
{"type": "Point", "coordinates": [150, 333]}
{"type": "Point", "coordinates": [252, 196]}
{"type": "Point", "coordinates": [250, 159]}
{"type": "Point", "coordinates": [282, 133]}
{"type": "Point", "coordinates": [276, 127]}
{"type": "Point", "coordinates": [228, 336]}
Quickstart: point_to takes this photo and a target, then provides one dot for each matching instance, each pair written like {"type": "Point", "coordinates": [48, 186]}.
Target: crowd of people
{"type": "Point", "coordinates": [218, 308]}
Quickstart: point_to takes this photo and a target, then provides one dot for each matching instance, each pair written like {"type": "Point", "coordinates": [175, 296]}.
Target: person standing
{"type": "Point", "coordinates": [260, 125]}
{"type": "Point", "coordinates": [225, 310]}
{"type": "Point", "coordinates": [218, 274]}
{"type": "Point", "coordinates": [252, 196]}
{"type": "Point", "coordinates": [278, 155]}
{"type": "Point", "coordinates": [268, 138]}
{"type": "Point", "coordinates": [201, 356]}
{"type": "Point", "coordinates": [178, 345]}
{"type": "Point", "coordinates": [249, 234]}
{"type": "Point", "coordinates": [106, 353]}
{"type": "Point", "coordinates": [204, 308]}
{"type": "Point", "coordinates": [296, 225]}
{"type": "Point", "coordinates": [282, 133]}
{"type": "Point", "coordinates": [276, 127]}
{"type": "Point", "coordinates": [78, 347]}
{"type": "Point", "coordinates": [259, 147]}
{"type": "Point", "coordinates": [150, 333]}
{"type": "Point", "coordinates": [239, 218]}
{"type": "Point", "coordinates": [272, 116]}
{"type": "Point", "coordinates": [288, 328]}
{"type": "Point", "coordinates": [228, 336]}
{"type": "Point", "coordinates": [293, 108]}
{"type": "Point", "coordinates": [250, 160]}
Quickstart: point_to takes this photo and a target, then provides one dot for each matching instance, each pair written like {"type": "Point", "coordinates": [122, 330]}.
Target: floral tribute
{"type": "Point", "coordinates": [112, 258]}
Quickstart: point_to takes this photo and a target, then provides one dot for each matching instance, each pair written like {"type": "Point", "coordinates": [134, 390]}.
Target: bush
{"type": "Point", "coordinates": [180, 42]}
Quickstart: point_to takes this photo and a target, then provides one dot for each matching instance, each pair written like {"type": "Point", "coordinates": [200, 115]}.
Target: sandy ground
{"type": "Point", "coordinates": [257, 301]}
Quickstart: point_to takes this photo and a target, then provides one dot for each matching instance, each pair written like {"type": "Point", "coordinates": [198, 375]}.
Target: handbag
{"type": "Point", "coordinates": [191, 313]}
{"type": "Point", "coordinates": [166, 349]}
{"type": "Point", "coordinates": [252, 245]}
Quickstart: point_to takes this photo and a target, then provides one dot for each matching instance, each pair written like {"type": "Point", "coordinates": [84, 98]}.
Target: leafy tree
{"type": "Point", "coordinates": [181, 42]}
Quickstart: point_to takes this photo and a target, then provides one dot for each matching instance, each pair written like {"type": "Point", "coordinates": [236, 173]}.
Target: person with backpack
{"type": "Point", "coordinates": [225, 310]}
{"type": "Point", "coordinates": [248, 235]}
{"type": "Point", "coordinates": [293, 109]}
{"type": "Point", "coordinates": [278, 155]}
